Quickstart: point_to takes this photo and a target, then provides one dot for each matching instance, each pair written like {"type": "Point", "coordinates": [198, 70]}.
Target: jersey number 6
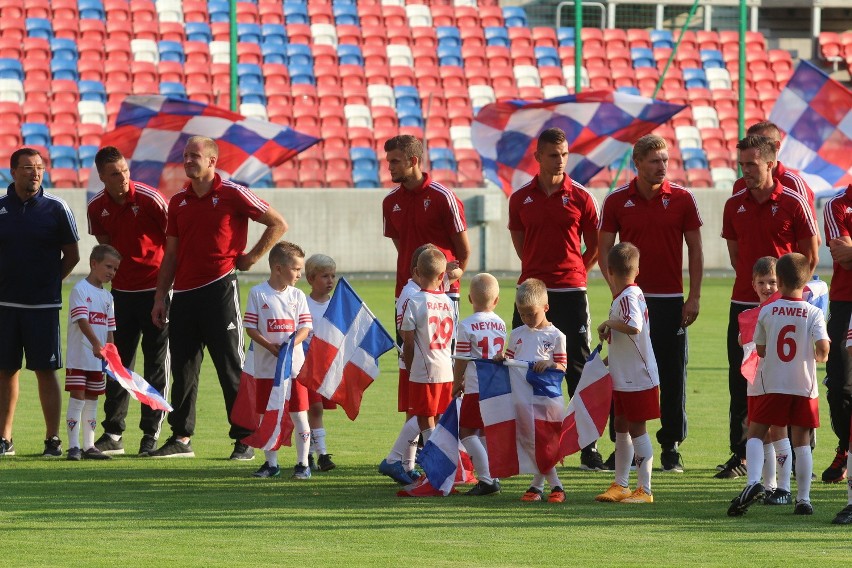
{"type": "Point", "coordinates": [786, 345]}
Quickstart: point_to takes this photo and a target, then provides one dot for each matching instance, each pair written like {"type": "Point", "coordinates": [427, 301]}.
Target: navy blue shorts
{"type": "Point", "coordinates": [34, 332]}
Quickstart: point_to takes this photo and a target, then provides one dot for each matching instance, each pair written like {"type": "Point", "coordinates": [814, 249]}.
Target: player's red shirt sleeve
{"type": "Point", "coordinates": [95, 226]}
{"type": "Point", "coordinates": [249, 204]}
{"type": "Point", "coordinates": [171, 226]}
{"type": "Point", "coordinates": [728, 230]}
{"type": "Point", "coordinates": [835, 220]}
{"type": "Point", "coordinates": [515, 223]}
{"type": "Point", "coordinates": [608, 220]}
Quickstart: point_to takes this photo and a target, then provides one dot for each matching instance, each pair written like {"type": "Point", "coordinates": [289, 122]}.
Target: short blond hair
{"type": "Point", "coordinates": [531, 293]}
{"type": "Point", "coordinates": [418, 251]}
{"type": "Point", "coordinates": [318, 263]}
{"type": "Point", "coordinates": [484, 288]}
{"type": "Point", "coordinates": [283, 252]}
{"type": "Point", "coordinates": [431, 263]}
{"type": "Point", "coordinates": [207, 144]}
{"type": "Point", "coordinates": [793, 270]}
{"type": "Point", "coordinates": [623, 259]}
{"type": "Point", "coordinates": [646, 145]}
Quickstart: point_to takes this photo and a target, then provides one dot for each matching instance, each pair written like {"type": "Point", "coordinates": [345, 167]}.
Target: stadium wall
{"type": "Point", "coordinates": [347, 224]}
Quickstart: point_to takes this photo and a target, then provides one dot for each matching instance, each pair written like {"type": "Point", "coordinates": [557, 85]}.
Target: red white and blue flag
{"type": "Point", "coordinates": [151, 132]}
{"type": "Point", "coordinates": [600, 126]}
{"type": "Point", "coordinates": [522, 412]}
{"type": "Point", "coordinates": [276, 426]}
{"type": "Point", "coordinates": [343, 359]}
{"type": "Point", "coordinates": [439, 458]}
{"type": "Point", "coordinates": [588, 409]}
{"type": "Point", "coordinates": [816, 113]}
{"type": "Point", "coordinates": [133, 383]}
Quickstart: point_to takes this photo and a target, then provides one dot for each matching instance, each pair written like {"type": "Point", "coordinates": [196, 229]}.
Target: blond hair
{"type": "Point", "coordinates": [531, 293]}
{"type": "Point", "coordinates": [483, 288]}
{"type": "Point", "coordinates": [207, 144]}
{"type": "Point", "coordinates": [318, 263]}
{"type": "Point", "coordinates": [646, 145]}
{"type": "Point", "coordinates": [418, 251]}
{"type": "Point", "coordinates": [431, 263]}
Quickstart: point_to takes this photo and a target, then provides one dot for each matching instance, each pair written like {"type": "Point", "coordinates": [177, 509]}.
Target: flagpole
{"type": "Point", "coordinates": [233, 39]}
{"type": "Point", "coordinates": [578, 46]}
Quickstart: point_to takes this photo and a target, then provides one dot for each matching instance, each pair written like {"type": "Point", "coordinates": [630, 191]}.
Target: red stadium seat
{"type": "Point", "coordinates": [64, 178]}
{"type": "Point", "coordinates": [444, 15]}
{"type": "Point", "coordinates": [35, 48]}
{"type": "Point", "coordinates": [544, 37]}
{"type": "Point", "coordinates": [452, 77]}
{"type": "Point", "coordinates": [447, 178]}
{"type": "Point", "coordinates": [700, 97]}
{"type": "Point", "coordinates": [615, 38]}
{"type": "Point", "coordinates": [623, 77]}
{"type": "Point", "coordinates": [349, 35]}
{"type": "Point", "coordinates": [592, 38]}
{"type": "Point", "coordinates": [373, 35]}
{"type": "Point", "coordinates": [65, 112]}
{"type": "Point", "coordinates": [13, 28]}
{"type": "Point", "coordinates": [352, 75]}
{"type": "Point", "coordinates": [619, 57]}
{"type": "Point", "coordinates": [280, 113]}
{"type": "Point", "coordinates": [531, 93]}
{"type": "Point", "coordinates": [299, 33]}
{"type": "Point", "coordinates": [276, 76]}
{"type": "Point", "coordinates": [638, 38]}
{"type": "Point", "coordinates": [394, 16]}
{"type": "Point", "coordinates": [491, 16]}
{"type": "Point", "coordinates": [37, 9]}
{"type": "Point", "coordinates": [566, 54]}
{"type": "Point", "coordinates": [523, 55]}
{"type": "Point", "coordinates": [438, 137]}
{"type": "Point", "coordinates": [249, 53]}
{"type": "Point", "coordinates": [402, 76]}
{"type": "Point", "coordinates": [120, 11]}
{"type": "Point", "coordinates": [144, 71]}
{"type": "Point", "coordinates": [521, 37]}
{"type": "Point", "coordinates": [11, 49]}
{"type": "Point", "coordinates": [306, 94]}
{"type": "Point", "coordinates": [172, 31]}
{"type": "Point", "coordinates": [355, 95]}
{"type": "Point", "coordinates": [146, 30]}
{"type": "Point", "coordinates": [764, 79]}
{"type": "Point", "coordinates": [65, 91]}
{"type": "Point", "coordinates": [267, 12]}
{"type": "Point", "coordinates": [377, 75]}
{"type": "Point", "coordinates": [37, 111]}
{"type": "Point", "coordinates": [91, 70]}
{"type": "Point", "coordinates": [360, 137]}
{"type": "Point", "coordinates": [465, 17]}
{"type": "Point", "coordinates": [285, 177]}
{"type": "Point", "coordinates": [66, 29]}
{"type": "Point", "coordinates": [171, 71]}
{"type": "Point", "coordinates": [36, 70]}
{"type": "Point", "coordinates": [551, 76]}
{"type": "Point", "coordinates": [199, 91]}
{"type": "Point", "coordinates": [142, 11]}
{"type": "Point", "coordinates": [320, 13]}
{"type": "Point", "coordinates": [498, 56]}
{"type": "Point", "coordinates": [424, 37]}
{"type": "Point", "coordinates": [424, 55]}
{"type": "Point", "coordinates": [472, 37]}
{"type": "Point", "coordinates": [399, 35]}
{"type": "Point", "coordinates": [699, 178]}
{"type": "Point", "coordinates": [595, 57]}
{"type": "Point", "coordinates": [12, 9]}
{"type": "Point", "coordinates": [332, 115]}
{"type": "Point", "coordinates": [719, 157]}
{"type": "Point", "coordinates": [119, 30]}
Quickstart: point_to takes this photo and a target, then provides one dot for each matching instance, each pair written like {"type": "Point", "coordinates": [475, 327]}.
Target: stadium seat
{"type": "Point", "coordinates": [12, 90]}
{"type": "Point", "coordinates": [324, 34]}
{"type": "Point", "coordinates": [35, 134]}
{"type": "Point", "coordinates": [497, 36]}
{"type": "Point", "coordinates": [638, 38]}
{"type": "Point", "coordinates": [63, 178]}
{"type": "Point", "coordinates": [662, 38]}
{"type": "Point", "coordinates": [61, 69]}
{"type": "Point", "coordinates": [64, 157]}
{"type": "Point", "coordinates": [420, 16]}
{"type": "Point", "coordinates": [514, 17]}
{"type": "Point", "coordinates": [363, 178]}
{"type": "Point", "coordinates": [723, 178]}
{"type": "Point", "coordinates": [694, 158]}
{"type": "Point", "coordinates": [695, 78]}
{"type": "Point", "coordinates": [699, 178]}
{"type": "Point", "coordinates": [273, 34]}
{"type": "Point", "coordinates": [705, 117]}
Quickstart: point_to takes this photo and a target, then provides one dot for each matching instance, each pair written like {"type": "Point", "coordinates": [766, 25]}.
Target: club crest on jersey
{"type": "Point", "coordinates": [215, 201]}
{"type": "Point", "coordinates": [665, 202]}
{"type": "Point", "coordinates": [135, 209]}
{"type": "Point", "coordinates": [548, 346]}
{"type": "Point", "coordinates": [565, 201]}
{"type": "Point", "coordinates": [426, 203]}
{"type": "Point", "coordinates": [774, 209]}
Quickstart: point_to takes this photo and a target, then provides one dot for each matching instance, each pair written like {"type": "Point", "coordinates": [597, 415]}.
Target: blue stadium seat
{"type": "Point", "coordinates": [46, 182]}
{"type": "Point", "coordinates": [11, 69]}
{"type": "Point", "coordinates": [302, 75]}
{"type": "Point", "coordinates": [497, 35]}
{"type": "Point", "coordinates": [40, 28]}
{"type": "Point", "coordinates": [273, 53]}
{"type": "Point", "coordinates": [364, 158]}
{"type": "Point", "coordinates": [91, 10]}
{"type": "Point", "coordinates": [64, 157]}
{"type": "Point", "coordinates": [299, 54]}
{"type": "Point", "coordinates": [265, 181]}
{"type": "Point", "coordinates": [253, 93]}
{"type": "Point", "coordinates": [198, 31]}
{"type": "Point", "coordinates": [64, 49]}
{"type": "Point", "coordinates": [442, 159]}
{"type": "Point", "coordinates": [35, 134]}
{"type": "Point", "coordinates": [64, 69]}
{"type": "Point", "coordinates": [273, 34]}
{"type": "Point", "coordinates": [296, 13]}
{"type": "Point", "coordinates": [662, 38]}
{"type": "Point", "coordinates": [6, 178]}
{"type": "Point", "coordinates": [695, 79]}
{"type": "Point", "coordinates": [450, 55]}
{"type": "Point", "coordinates": [174, 90]}
{"type": "Point", "coordinates": [693, 158]}
{"type": "Point", "coordinates": [87, 155]}
{"type": "Point", "coordinates": [365, 178]}
{"type": "Point", "coordinates": [406, 96]}
{"type": "Point", "coordinates": [448, 35]}
{"type": "Point", "coordinates": [349, 54]}
{"type": "Point", "coordinates": [410, 116]}
{"type": "Point", "coordinates": [515, 17]}
{"type": "Point", "coordinates": [171, 51]}
{"type": "Point", "coordinates": [712, 59]}
{"type": "Point", "coordinates": [565, 37]}
{"type": "Point", "coordinates": [92, 91]}
{"type": "Point", "coordinates": [249, 33]}
{"type": "Point", "coordinates": [220, 11]}
{"type": "Point", "coordinates": [642, 57]}
{"type": "Point", "coordinates": [249, 74]}
{"type": "Point", "coordinates": [629, 90]}
{"type": "Point", "coordinates": [547, 57]}
{"type": "Point", "coordinates": [346, 15]}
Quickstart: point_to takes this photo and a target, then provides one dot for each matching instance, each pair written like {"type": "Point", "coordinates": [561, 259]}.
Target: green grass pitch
{"type": "Point", "coordinates": [210, 512]}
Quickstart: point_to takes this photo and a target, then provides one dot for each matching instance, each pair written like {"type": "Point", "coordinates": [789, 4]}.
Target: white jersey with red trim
{"type": "Point", "coordinates": [276, 315]}
{"type": "Point", "coordinates": [631, 357]}
{"type": "Point", "coordinates": [542, 344]}
{"type": "Point", "coordinates": [410, 288]}
{"type": "Point", "coordinates": [479, 336]}
{"type": "Point", "coordinates": [432, 317]}
{"type": "Point", "coordinates": [87, 302]}
{"type": "Point", "coordinates": [788, 328]}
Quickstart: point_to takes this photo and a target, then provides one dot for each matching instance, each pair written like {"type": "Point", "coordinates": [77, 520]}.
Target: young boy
{"type": "Point", "coordinates": [635, 378]}
{"type": "Point", "coordinates": [91, 322]}
{"type": "Point", "coordinates": [791, 339]}
{"type": "Point", "coordinates": [481, 335]}
{"type": "Point", "coordinates": [427, 329]}
{"type": "Point", "coordinates": [399, 463]}
{"type": "Point", "coordinates": [275, 310]}
{"type": "Point", "coordinates": [844, 517]}
{"type": "Point", "coordinates": [538, 342]}
{"type": "Point", "coordinates": [321, 273]}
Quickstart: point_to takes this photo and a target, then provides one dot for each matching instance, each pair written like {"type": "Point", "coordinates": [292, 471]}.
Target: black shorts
{"type": "Point", "coordinates": [31, 331]}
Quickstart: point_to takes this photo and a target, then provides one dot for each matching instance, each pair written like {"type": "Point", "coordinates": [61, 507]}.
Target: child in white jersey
{"type": "Point", "coordinates": [539, 342]}
{"type": "Point", "coordinates": [635, 378]}
{"type": "Point", "coordinates": [791, 339]}
{"type": "Point", "coordinates": [481, 335]}
{"type": "Point", "coordinates": [91, 322]}
{"type": "Point", "coordinates": [275, 311]}
{"type": "Point", "coordinates": [321, 273]}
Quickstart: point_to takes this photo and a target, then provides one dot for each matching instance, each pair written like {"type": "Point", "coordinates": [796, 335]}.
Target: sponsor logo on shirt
{"type": "Point", "coordinates": [629, 203]}
{"type": "Point", "coordinates": [97, 318]}
{"type": "Point", "coordinates": [742, 209]}
{"type": "Point", "coordinates": [527, 200]}
{"type": "Point", "coordinates": [280, 325]}
{"type": "Point", "coordinates": [396, 208]}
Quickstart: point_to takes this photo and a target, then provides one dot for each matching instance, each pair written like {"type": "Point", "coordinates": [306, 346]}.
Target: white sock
{"type": "Point", "coordinates": [425, 434]}
{"type": "Point", "coordinates": [73, 417]}
{"type": "Point", "coordinates": [538, 482]}
{"type": "Point", "coordinates": [318, 441]}
{"type": "Point", "coordinates": [644, 460]}
{"type": "Point", "coordinates": [754, 459]}
{"type": "Point", "coordinates": [271, 457]}
{"type": "Point", "coordinates": [303, 435]}
{"type": "Point", "coordinates": [553, 479]}
{"type": "Point", "coordinates": [849, 480]}
{"type": "Point", "coordinates": [400, 449]}
{"type": "Point", "coordinates": [804, 469]}
{"type": "Point", "coordinates": [90, 423]}
{"type": "Point", "coordinates": [623, 458]}
{"type": "Point", "coordinates": [784, 459]}
{"type": "Point", "coordinates": [479, 457]}
{"type": "Point", "coordinates": [769, 478]}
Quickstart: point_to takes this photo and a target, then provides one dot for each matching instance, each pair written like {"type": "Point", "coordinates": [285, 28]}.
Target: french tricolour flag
{"type": "Point", "coordinates": [276, 426]}
{"type": "Point", "coordinates": [588, 410]}
{"type": "Point", "coordinates": [132, 382]}
{"type": "Point", "coordinates": [522, 412]}
{"type": "Point", "coordinates": [344, 356]}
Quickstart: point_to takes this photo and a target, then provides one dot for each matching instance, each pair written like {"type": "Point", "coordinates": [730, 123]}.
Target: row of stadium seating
{"type": "Point", "coordinates": [357, 89]}
{"type": "Point", "coordinates": [836, 48]}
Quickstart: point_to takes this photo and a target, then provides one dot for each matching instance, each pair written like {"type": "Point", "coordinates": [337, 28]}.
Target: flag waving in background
{"type": "Point", "coordinates": [816, 113]}
{"type": "Point", "coordinates": [522, 412]}
{"type": "Point", "coordinates": [138, 387]}
{"type": "Point", "coordinates": [276, 426]}
{"type": "Point", "coordinates": [151, 132]}
{"type": "Point", "coordinates": [600, 126]}
{"type": "Point", "coordinates": [588, 409]}
{"type": "Point", "coordinates": [343, 359]}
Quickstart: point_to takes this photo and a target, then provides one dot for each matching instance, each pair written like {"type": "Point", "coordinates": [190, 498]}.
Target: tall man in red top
{"type": "Point", "coordinates": [205, 239]}
{"type": "Point", "coordinates": [658, 217]}
{"type": "Point", "coordinates": [549, 220]}
{"type": "Point", "coordinates": [838, 382]}
{"type": "Point", "coordinates": [764, 219]}
{"type": "Point", "coordinates": [420, 211]}
{"type": "Point", "coordinates": [132, 216]}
